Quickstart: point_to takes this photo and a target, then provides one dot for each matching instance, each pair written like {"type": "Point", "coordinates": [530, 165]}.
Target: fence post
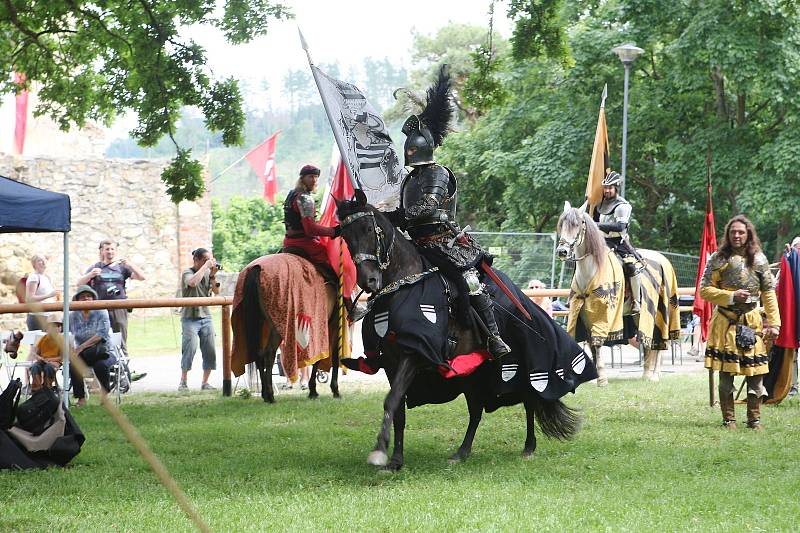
{"type": "Point", "coordinates": [553, 261]}
{"type": "Point", "coordinates": [226, 350]}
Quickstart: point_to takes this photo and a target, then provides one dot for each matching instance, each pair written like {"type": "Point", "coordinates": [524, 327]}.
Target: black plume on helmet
{"type": "Point", "coordinates": [438, 112]}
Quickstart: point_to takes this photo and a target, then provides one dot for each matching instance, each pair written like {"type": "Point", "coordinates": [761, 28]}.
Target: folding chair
{"type": "Point", "coordinates": [29, 339]}
{"type": "Point", "coordinates": [119, 373]}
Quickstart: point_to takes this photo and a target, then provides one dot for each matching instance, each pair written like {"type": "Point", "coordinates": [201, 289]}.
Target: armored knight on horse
{"type": "Point", "coordinates": [613, 217]}
{"type": "Point", "coordinates": [428, 205]}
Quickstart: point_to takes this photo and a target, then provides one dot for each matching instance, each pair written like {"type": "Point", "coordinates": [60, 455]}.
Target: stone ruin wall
{"type": "Point", "coordinates": [120, 199]}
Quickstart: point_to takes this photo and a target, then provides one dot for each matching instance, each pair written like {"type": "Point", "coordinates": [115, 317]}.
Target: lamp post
{"type": "Point", "coordinates": [627, 53]}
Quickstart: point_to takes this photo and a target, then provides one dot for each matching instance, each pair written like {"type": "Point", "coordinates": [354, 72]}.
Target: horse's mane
{"type": "Point", "coordinates": [595, 242]}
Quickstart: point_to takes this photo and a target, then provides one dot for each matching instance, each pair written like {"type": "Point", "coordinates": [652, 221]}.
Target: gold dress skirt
{"type": "Point", "coordinates": [722, 352]}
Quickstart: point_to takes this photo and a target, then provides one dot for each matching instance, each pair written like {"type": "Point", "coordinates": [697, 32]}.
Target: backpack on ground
{"type": "Point", "coordinates": [35, 413]}
{"type": "Point", "coordinates": [9, 399]}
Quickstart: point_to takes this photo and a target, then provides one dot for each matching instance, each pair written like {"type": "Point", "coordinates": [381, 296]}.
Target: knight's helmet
{"type": "Point", "coordinates": [425, 131]}
{"type": "Point", "coordinates": [612, 178]}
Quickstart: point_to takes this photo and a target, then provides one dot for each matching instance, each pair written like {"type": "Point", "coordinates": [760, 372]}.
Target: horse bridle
{"type": "Point", "coordinates": [576, 242]}
{"type": "Point", "coordinates": [382, 252]}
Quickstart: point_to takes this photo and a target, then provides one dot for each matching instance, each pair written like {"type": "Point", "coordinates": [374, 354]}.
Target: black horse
{"type": "Point", "coordinates": [384, 257]}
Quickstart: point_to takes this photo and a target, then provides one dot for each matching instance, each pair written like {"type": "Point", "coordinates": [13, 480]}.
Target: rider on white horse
{"type": "Point", "coordinates": [613, 217]}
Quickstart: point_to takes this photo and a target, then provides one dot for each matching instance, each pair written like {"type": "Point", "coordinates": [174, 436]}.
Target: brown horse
{"type": "Point", "coordinates": [259, 325]}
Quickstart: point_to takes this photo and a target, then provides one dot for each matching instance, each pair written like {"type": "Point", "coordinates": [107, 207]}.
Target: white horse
{"type": "Point", "coordinates": [598, 290]}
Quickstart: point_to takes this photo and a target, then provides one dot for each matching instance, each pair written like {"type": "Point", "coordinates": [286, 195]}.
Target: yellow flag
{"type": "Point", "coordinates": [600, 164]}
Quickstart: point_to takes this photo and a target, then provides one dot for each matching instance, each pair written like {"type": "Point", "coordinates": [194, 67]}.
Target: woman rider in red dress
{"type": "Point", "coordinates": [302, 230]}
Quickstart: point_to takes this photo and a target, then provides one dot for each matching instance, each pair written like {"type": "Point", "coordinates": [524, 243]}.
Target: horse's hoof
{"type": "Point", "coordinates": [313, 395]}
{"type": "Point", "coordinates": [527, 454]}
{"type": "Point", "coordinates": [391, 468]}
{"type": "Point", "coordinates": [337, 395]}
{"type": "Point", "coordinates": [602, 382]}
{"type": "Point", "coordinates": [269, 399]}
{"type": "Point", "coordinates": [457, 458]}
{"type": "Point", "coordinates": [377, 458]}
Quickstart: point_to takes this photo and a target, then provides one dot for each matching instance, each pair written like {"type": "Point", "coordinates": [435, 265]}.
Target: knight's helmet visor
{"type": "Point", "coordinates": [418, 148]}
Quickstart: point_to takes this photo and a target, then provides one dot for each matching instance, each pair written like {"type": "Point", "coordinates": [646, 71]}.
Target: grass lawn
{"type": "Point", "coordinates": [650, 457]}
{"type": "Point", "coordinates": [161, 335]}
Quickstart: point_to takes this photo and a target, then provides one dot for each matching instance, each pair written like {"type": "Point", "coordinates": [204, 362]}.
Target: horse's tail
{"type": "Point", "coordinates": [251, 309]}
{"type": "Point", "coordinates": [556, 419]}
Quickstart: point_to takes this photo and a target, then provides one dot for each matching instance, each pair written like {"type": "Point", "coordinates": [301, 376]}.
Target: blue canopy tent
{"type": "Point", "coordinates": [24, 208]}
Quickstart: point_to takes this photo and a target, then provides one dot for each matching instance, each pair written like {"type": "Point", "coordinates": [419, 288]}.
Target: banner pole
{"type": "Point", "coordinates": [339, 141]}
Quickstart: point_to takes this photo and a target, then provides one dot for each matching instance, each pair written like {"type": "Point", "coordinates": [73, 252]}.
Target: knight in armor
{"type": "Point", "coordinates": [613, 217]}
{"type": "Point", "coordinates": [302, 230]}
{"type": "Point", "coordinates": [428, 205]}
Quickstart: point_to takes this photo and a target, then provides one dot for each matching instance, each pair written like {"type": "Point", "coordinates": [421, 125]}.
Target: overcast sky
{"type": "Point", "coordinates": [343, 31]}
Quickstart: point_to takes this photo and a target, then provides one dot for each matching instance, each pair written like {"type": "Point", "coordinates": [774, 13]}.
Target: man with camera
{"type": "Point", "coordinates": [107, 277]}
{"type": "Point", "coordinates": [198, 281]}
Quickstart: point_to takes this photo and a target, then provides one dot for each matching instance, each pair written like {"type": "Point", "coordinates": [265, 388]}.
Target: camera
{"type": "Point", "coordinates": [112, 291]}
{"type": "Point", "coordinates": [218, 266]}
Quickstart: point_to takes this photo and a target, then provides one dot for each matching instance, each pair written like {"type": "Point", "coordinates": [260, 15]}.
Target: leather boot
{"type": "Point", "coordinates": [754, 412]}
{"type": "Point", "coordinates": [728, 411]}
{"type": "Point", "coordinates": [636, 294]}
{"type": "Point", "coordinates": [482, 303]}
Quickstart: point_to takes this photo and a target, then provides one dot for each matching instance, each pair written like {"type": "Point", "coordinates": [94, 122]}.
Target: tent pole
{"type": "Point", "coordinates": [65, 336]}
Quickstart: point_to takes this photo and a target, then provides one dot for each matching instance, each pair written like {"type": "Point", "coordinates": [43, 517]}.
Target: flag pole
{"type": "Point", "coordinates": [241, 158]}
{"type": "Point", "coordinates": [604, 96]}
{"type": "Point", "coordinates": [339, 141]}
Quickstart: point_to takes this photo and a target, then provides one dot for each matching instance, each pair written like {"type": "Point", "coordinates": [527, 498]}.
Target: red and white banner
{"type": "Point", "coordinates": [262, 159]}
{"type": "Point", "coordinates": [708, 246]}
{"type": "Point", "coordinates": [21, 115]}
{"type": "Point", "coordinates": [341, 188]}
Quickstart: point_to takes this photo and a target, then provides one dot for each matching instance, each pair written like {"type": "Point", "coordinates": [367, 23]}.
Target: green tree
{"type": "Point", "coordinates": [454, 45]}
{"type": "Point", "coordinates": [93, 60]}
{"type": "Point", "coordinates": [717, 83]}
{"type": "Point", "coordinates": [245, 229]}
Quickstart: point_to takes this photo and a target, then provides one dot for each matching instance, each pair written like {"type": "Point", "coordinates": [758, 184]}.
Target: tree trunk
{"type": "Point", "coordinates": [782, 236]}
{"type": "Point", "coordinates": [740, 107]}
{"type": "Point", "coordinates": [719, 88]}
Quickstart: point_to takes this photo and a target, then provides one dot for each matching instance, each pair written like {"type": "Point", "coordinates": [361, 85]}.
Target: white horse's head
{"type": "Point", "coordinates": [578, 235]}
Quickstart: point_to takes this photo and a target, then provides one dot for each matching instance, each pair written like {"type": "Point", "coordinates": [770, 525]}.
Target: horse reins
{"type": "Point", "coordinates": [578, 241]}
{"type": "Point", "coordinates": [381, 250]}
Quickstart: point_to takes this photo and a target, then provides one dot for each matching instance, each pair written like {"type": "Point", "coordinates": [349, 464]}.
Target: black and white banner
{"type": "Point", "coordinates": [361, 134]}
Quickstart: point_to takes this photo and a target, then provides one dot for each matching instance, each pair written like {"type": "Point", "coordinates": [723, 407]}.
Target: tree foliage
{"type": "Point", "coordinates": [245, 229]}
{"type": "Point", "coordinates": [93, 60]}
{"type": "Point", "coordinates": [714, 93]}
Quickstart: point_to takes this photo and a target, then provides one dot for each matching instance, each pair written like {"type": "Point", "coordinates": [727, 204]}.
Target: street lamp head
{"type": "Point", "coordinates": [627, 52]}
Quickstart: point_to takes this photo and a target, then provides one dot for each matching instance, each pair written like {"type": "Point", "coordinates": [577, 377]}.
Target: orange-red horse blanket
{"type": "Point", "coordinates": [293, 293]}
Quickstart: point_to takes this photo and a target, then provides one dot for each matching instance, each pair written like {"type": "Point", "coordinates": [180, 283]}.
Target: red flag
{"type": "Point", "coordinates": [262, 159]}
{"type": "Point", "coordinates": [708, 245]}
{"type": "Point", "coordinates": [787, 305]}
{"type": "Point", "coordinates": [22, 115]}
{"type": "Point", "coordinates": [341, 189]}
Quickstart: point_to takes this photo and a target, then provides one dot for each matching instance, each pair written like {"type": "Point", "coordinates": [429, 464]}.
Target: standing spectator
{"type": "Point", "coordinates": [107, 277]}
{"type": "Point", "coordinates": [91, 330]}
{"type": "Point", "coordinates": [542, 301]}
{"type": "Point", "coordinates": [736, 278]}
{"type": "Point", "coordinates": [198, 281]}
{"type": "Point", "coordinates": [39, 289]}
